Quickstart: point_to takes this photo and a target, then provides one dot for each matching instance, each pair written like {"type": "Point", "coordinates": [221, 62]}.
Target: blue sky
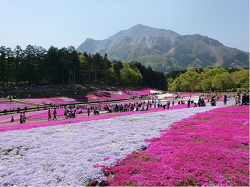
{"type": "Point", "coordinates": [62, 23]}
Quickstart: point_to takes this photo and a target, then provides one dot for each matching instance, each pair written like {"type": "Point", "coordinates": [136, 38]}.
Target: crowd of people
{"type": "Point", "coordinates": [244, 100]}
{"type": "Point", "coordinates": [70, 111]}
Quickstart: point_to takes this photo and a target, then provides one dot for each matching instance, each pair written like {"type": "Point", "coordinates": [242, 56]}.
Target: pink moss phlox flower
{"type": "Point", "coordinates": [38, 101]}
{"type": "Point", "coordinates": [210, 148]}
{"type": "Point", "coordinates": [7, 105]}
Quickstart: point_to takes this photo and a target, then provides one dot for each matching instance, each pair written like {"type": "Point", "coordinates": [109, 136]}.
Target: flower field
{"type": "Point", "coordinates": [70, 153]}
{"type": "Point", "coordinates": [103, 95]}
{"type": "Point", "coordinates": [7, 105]}
{"type": "Point", "coordinates": [210, 149]}
{"type": "Point", "coordinates": [38, 101]}
{"type": "Point", "coordinates": [7, 118]}
{"type": "Point", "coordinates": [100, 95]}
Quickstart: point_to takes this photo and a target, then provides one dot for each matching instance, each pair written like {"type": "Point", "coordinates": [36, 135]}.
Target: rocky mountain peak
{"type": "Point", "coordinates": [133, 35]}
{"type": "Point", "coordinates": [165, 50]}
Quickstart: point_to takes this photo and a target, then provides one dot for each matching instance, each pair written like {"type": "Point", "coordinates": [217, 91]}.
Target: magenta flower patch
{"type": "Point", "coordinates": [38, 101]}
{"type": "Point", "coordinates": [210, 149]}
{"type": "Point", "coordinates": [7, 105]}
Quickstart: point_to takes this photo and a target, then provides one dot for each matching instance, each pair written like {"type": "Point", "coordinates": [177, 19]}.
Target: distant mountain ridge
{"type": "Point", "coordinates": [165, 50]}
{"type": "Point", "coordinates": [136, 34]}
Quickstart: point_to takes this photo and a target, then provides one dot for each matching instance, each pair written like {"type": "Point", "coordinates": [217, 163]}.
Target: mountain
{"type": "Point", "coordinates": [165, 50]}
{"type": "Point", "coordinates": [136, 34]}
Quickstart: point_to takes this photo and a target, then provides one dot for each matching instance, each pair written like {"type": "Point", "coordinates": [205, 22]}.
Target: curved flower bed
{"type": "Point", "coordinates": [62, 100]}
{"type": "Point", "coordinates": [100, 95]}
{"type": "Point", "coordinates": [7, 118]}
{"type": "Point", "coordinates": [210, 149]}
{"type": "Point", "coordinates": [143, 92]}
{"type": "Point", "coordinates": [103, 95]}
{"type": "Point", "coordinates": [7, 105]}
{"type": "Point", "coordinates": [188, 94]}
{"type": "Point", "coordinates": [38, 101]}
{"type": "Point", "coordinates": [65, 155]}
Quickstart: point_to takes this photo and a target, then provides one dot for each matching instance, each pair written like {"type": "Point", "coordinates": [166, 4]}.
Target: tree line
{"type": "Point", "coordinates": [208, 79]}
{"type": "Point", "coordinates": [36, 65]}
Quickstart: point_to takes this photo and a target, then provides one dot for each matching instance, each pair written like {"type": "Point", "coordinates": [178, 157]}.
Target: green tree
{"type": "Point", "coordinates": [191, 71]}
{"type": "Point", "coordinates": [9, 65]}
{"type": "Point", "coordinates": [64, 62]}
{"type": "Point", "coordinates": [29, 63]}
{"type": "Point", "coordinates": [117, 66]}
{"type": "Point", "coordinates": [53, 65]}
{"type": "Point", "coordinates": [40, 67]}
{"type": "Point", "coordinates": [193, 82]}
{"type": "Point", "coordinates": [89, 65]}
{"type": "Point", "coordinates": [182, 83]}
{"type": "Point", "coordinates": [207, 84]}
{"type": "Point", "coordinates": [143, 70]}
{"type": "Point", "coordinates": [223, 81]}
{"type": "Point", "coordinates": [18, 55]}
{"type": "Point", "coordinates": [3, 55]}
{"type": "Point", "coordinates": [73, 63]}
{"type": "Point", "coordinates": [241, 78]}
{"type": "Point", "coordinates": [106, 67]}
{"type": "Point", "coordinates": [129, 76]}
{"type": "Point", "coordinates": [83, 69]}
{"type": "Point", "coordinates": [216, 71]}
{"type": "Point", "coordinates": [97, 62]}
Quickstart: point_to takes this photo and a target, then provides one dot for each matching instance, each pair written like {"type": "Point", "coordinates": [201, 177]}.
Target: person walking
{"type": "Point", "coordinates": [237, 99]}
{"type": "Point", "coordinates": [168, 104]}
{"type": "Point", "coordinates": [24, 118]}
{"type": "Point", "coordinates": [67, 115]}
{"type": "Point", "coordinates": [245, 99]}
{"type": "Point", "coordinates": [188, 103]}
{"type": "Point", "coordinates": [49, 115]}
{"type": "Point", "coordinates": [199, 101]}
{"type": "Point", "coordinates": [213, 101]}
{"type": "Point", "coordinates": [88, 111]}
{"type": "Point", "coordinates": [70, 113]}
{"type": "Point", "coordinates": [12, 119]}
{"type": "Point", "coordinates": [21, 118]}
{"type": "Point", "coordinates": [54, 113]}
{"type": "Point", "coordinates": [225, 100]}
{"type": "Point", "coordinates": [203, 102]}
